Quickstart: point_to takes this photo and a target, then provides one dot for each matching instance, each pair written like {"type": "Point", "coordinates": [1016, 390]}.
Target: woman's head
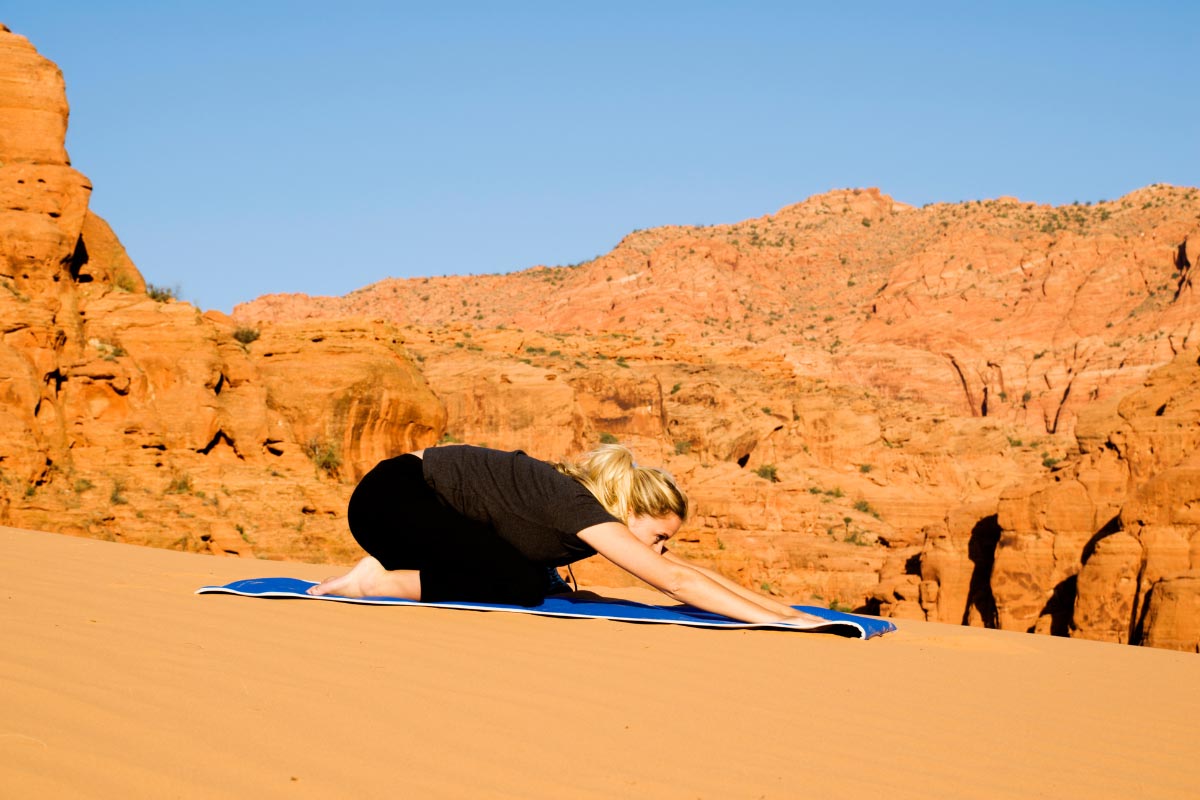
{"type": "Point", "coordinates": [625, 489]}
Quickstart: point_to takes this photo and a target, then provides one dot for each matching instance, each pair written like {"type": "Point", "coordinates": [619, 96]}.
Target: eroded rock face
{"type": "Point", "coordinates": [1083, 549]}
{"type": "Point", "coordinates": [1107, 588]}
{"type": "Point", "coordinates": [999, 309]}
{"type": "Point", "coordinates": [128, 418]}
{"type": "Point", "coordinates": [1173, 614]}
{"type": "Point", "coordinates": [33, 118]}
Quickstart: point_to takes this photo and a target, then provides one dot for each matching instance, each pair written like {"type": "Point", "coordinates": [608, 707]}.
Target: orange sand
{"type": "Point", "coordinates": [117, 681]}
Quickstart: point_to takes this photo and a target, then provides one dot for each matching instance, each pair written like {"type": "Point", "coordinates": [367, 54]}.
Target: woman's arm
{"type": "Point", "coordinates": [680, 580]}
{"type": "Point", "coordinates": [763, 600]}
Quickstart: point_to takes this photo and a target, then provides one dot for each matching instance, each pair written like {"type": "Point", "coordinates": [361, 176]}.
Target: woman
{"type": "Point", "coordinates": [470, 523]}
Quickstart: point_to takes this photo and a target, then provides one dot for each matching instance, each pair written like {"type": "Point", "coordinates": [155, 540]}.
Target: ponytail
{"type": "Point", "coordinates": [624, 488]}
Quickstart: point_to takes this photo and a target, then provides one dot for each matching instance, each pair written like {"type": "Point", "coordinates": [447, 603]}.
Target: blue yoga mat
{"type": "Point", "coordinates": [566, 606]}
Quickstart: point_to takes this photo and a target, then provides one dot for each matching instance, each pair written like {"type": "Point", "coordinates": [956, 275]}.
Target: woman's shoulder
{"type": "Point", "coordinates": [469, 455]}
{"type": "Point", "coordinates": [461, 450]}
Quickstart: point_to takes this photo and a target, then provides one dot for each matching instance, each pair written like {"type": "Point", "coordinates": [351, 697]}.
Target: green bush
{"type": "Point", "coordinates": [865, 507]}
{"type": "Point", "coordinates": [181, 484]}
{"type": "Point", "coordinates": [325, 455]}
{"type": "Point", "coordinates": [608, 438]}
{"type": "Point", "coordinates": [245, 335]}
{"type": "Point", "coordinates": [162, 294]}
{"type": "Point", "coordinates": [768, 472]}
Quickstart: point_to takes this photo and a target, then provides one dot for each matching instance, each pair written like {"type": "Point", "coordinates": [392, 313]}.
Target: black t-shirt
{"type": "Point", "coordinates": [528, 502]}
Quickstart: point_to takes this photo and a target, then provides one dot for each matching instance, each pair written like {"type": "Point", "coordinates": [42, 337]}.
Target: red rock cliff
{"type": "Point", "coordinates": [136, 417]}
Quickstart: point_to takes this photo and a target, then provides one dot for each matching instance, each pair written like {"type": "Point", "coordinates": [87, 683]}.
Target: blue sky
{"type": "Point", "coordinates": [240, 148]}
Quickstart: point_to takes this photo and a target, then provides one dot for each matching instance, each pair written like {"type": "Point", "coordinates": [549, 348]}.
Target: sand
{"type": "Point", "coordinates": [117, 681]}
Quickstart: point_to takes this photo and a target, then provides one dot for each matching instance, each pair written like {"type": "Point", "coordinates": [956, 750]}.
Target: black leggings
{"type": "Point", "coordinates": [396, 517]}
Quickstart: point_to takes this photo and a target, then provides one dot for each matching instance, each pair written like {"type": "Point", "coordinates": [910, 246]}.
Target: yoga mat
{"type": "Point", "coordinates": [836, 622]}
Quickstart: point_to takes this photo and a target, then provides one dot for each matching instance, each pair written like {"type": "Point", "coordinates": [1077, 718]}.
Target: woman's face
{"type": "Point", "coordinates": [654, 531]}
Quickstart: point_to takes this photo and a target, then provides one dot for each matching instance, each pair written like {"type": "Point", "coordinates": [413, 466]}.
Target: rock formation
{"type": "Point", "coordinates": [133, 416]}
{"type": "Point", "coordinates": [997, 309]}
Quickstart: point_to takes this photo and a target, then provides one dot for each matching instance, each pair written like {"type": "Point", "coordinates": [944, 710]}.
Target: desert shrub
{"type": "Point", "coordinates": [110, 350]}
{"type": "Point", "coordinates": [768, 472]}
{"type": "Point", "coordinates": [683, 447]}
{"type": "Point", "coordinates": [245, 334]}
{"type": "Point", "coordinates": [180, 484]}
{"type": "Point", "coordinates": [865, 507]}
{"type": "Point", "coordinates": [162, 294]}
{"type": "Point", "coordinates": [608, 438]}
{"type": "Point", "coordinates": [325, 455]}
{"type": "Point", "coordinates": [856, 538]}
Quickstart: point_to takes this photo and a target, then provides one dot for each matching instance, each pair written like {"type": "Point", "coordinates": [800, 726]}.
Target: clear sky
{"type": "Point", "coordinates": [240, 148]}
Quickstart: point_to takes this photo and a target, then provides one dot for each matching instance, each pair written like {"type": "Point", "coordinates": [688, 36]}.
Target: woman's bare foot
{"type": "Point", "coordinates": [370, 579]}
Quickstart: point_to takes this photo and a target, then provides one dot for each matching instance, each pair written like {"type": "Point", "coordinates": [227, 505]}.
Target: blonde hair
{"type": "Point", "coordinates": [624, 488]}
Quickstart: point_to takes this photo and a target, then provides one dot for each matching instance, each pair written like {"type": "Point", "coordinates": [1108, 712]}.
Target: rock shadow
{"type": "Point", "coordinates": [981, 549]}
{"type": "Point", "coordinates": [1061, 607]}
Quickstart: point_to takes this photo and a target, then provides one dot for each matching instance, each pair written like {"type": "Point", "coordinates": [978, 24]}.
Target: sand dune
{"type": "Point", "coordinates": [117, 681]}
